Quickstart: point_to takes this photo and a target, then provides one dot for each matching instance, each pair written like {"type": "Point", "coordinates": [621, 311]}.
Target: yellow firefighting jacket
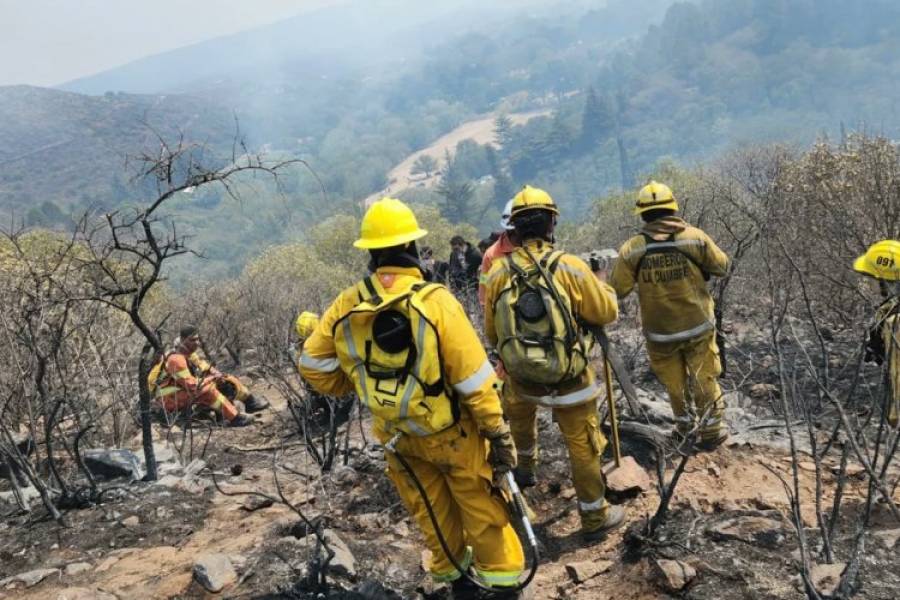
{"type": "Point", "coordinates": [593, 302]}
{"type": "Point", "coordinates": [669, 263]}
{"type": "Point", "coordinates": [333, 357]}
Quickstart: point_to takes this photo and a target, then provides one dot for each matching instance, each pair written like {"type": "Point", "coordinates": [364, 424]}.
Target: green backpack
{"type": "Point", "coordinates": [538, 338]}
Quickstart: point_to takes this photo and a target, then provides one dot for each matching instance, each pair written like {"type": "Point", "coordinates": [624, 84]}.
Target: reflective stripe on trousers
{"type": "Point", "coordinates": [679, 336]}
{"type": "Point", "coordinates": [570, 399]}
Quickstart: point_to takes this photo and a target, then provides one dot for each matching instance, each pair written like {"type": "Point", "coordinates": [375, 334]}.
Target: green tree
{"type": "Point", "coordinates": [457, 198]}
{"type": "Point", "coordinates": [597, 121]}
{"type": "Point", "coordinates": [424, 165]}
{"type": "Point", "coordinates": [558, 142]}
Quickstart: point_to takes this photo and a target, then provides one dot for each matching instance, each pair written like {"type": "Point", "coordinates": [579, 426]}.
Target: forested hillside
{"type": "Point", "coordinates": [621, 97]}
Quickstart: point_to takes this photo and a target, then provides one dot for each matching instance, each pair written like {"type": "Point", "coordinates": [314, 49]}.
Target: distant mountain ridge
{"type": "Point", "coordinates": [333, 42]}
{"type": "Point", "coordinates": [70, 149]}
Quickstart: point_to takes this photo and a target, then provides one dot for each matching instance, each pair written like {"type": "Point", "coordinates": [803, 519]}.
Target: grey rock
{"type": "Point", "coordinates": [254, 503]}
{"type": "Point", "coordinates": [132, 521]}
{"type": "Point", "coordinates": [29, 495]}
{"type": "Point", "coordinates": [673, 575]}
{"type": "Point", "coordinates": [758, 531]}
{"type": "Point", "coordinates": [888, 537]}
{"type": "Point", "coordinates": [343, 562]}
{"type": "Point", "coordinates": [113, 463]}
{"type": "Point", "coordinates": [29, 578]}
{"type": "Point", "coordinates": [581, 571]}
{"type": "Point", "coordinates": [345, 475]}
{"type": "Point", "coordinates": [73, 569]}
{"type": "Point", "coordinates": [369, 520]}
{"type": "Point", "coordinates": [214, 572]}
{"type": "Point", "coordinates": [761, 391]}
{"type": "Point", "coordinates": [628, 479]}
{"type": "Point", "coordinates": [658, 412]}
{"type": "Point", "coordinates": [194, 467]}
{"type": "Point", "coordinates": [165, 453]}
{"type": "Point", "coordinates": [826, 577]}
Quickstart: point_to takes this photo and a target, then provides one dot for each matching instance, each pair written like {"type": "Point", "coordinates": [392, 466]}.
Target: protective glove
{"type": "Point", "coordinates": [875, 350]}
{"type": "Point", "coordinates": [503, 451]}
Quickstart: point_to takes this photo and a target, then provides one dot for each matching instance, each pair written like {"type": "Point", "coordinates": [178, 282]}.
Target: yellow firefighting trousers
{"type": "Point", "coordinates": [580, 426]}
{"type": "Point", "coordinates": [452, 467]}
{"type": "Point", "coordinates": [690, 369]}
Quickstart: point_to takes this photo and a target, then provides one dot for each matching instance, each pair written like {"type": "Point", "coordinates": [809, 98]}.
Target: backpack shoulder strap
{"type": "Point", "coordinates": [368, 292]}
{"type": "Point", "coordinates": [553, 258]}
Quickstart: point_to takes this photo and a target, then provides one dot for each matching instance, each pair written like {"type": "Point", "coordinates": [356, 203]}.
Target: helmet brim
{"type": "Point", "coordinates": [671, 205]}
{"type": "Point", "coordinates": [548, 207]}
{"type": "Point", "coordinates": [860, 266]}
{"type": "Point", "coordinates": [390, 241]}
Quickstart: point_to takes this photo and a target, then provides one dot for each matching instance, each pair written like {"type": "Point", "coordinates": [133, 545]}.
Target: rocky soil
{"type": "Point", "coordinates": [728, 535]}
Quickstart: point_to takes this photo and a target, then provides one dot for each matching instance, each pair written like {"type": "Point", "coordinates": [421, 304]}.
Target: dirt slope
{"type": "Point", "coordinates": [178, 522]}
{"type": "Point", "coordinates": [480, 130]}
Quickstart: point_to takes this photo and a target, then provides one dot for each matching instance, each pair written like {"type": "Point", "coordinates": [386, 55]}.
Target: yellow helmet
{"type": "Point", "coordinates": [388, 222]}
{"type": "Point", "coordinates": [881, 261]}
{"type": "Point", "coordinates": [306, 323]}
{"type": "Point", "coordinates": [531, 198]}
{"type": "Point", "coordinates": [655, 195]}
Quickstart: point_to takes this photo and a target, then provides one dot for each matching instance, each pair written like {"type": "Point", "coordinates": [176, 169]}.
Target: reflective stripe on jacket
{"type": "Point", "coordinates": [669, 263]}
{"type": "Point", "coordinates": [498, 249]}
{"type": "Point", "coordinates": [593, 302]}
{"type": "Point", "coordinates": [181, 371]}
{"type": "Point", "coordinates": [465, 365]}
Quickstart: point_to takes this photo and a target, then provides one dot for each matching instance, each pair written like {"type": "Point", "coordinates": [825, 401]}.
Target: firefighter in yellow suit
{"type": "Point", "coordinates": [409, 351]}
{"type": "Point", "coordinates": [669, 263]}
{"type": "Point", "coordinates": [882, 262]}
{"type": "Point", "coordinates": [574, 400]}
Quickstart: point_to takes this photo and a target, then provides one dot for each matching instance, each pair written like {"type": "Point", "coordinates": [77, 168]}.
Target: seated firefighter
{"type": "Point", "coordinates": [182, 378]}
{"type": "Point", "coordinates": [881, 262]}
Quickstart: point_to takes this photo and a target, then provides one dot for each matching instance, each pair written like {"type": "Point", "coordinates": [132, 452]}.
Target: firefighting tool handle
{"type": "Point", "coordinates": [617, 365]}
{"type": "Point", "coordinates": [391, 447]}
{"type": "Point", "coordinates": [613, 415]}
{"type": "Point", "coordinates": [518, 507]}
{"type": "Point", "coordinates": [720, 339]}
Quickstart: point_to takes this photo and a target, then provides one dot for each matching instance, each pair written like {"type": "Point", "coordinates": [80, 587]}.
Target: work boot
{"type": "Point", "coordinates": [463, 589]}
{"type": "Point", "coordinates": [711, 443]}
{"type": "Point", "coordinates": [241, 420]}
{"type": "Point", "coordinates": [501, 594]}
{"type": "Point", "coordinates": [253, 404]}
{"type": "Point", "coordinates": [615, 517]}
{"type": "Point", "coordinates": [525, 479]}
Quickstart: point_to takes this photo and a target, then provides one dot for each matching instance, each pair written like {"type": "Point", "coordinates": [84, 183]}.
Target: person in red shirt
{"type": "Point", "coordinates": [503, 246]}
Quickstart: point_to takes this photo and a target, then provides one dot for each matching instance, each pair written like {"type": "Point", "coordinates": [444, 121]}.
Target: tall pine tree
{"type": "Point", "coordinates": [597, 121]}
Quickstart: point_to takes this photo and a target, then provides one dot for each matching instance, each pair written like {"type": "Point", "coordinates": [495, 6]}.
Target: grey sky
{"type": "Point", "coordinates": [48, 42]}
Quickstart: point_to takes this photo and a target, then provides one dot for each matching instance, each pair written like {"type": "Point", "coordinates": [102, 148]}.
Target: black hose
{"type": "Point", "coordinates": [520, 506]}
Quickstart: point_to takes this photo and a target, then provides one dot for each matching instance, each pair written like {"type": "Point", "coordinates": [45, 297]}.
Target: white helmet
{"type": "Point", "coordinates": [504, 218]}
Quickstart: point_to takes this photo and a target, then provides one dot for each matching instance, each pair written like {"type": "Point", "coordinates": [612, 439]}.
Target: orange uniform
{"type": "Point", "coordinates": [498, 249]}
{"type": "Point", "coordinates": [180, 387]}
